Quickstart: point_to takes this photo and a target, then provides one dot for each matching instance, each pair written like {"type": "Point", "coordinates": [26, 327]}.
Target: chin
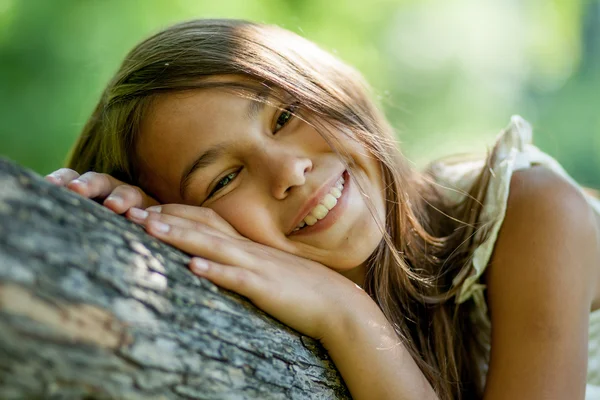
{"type": "Point", "coordinates": [355, 254]}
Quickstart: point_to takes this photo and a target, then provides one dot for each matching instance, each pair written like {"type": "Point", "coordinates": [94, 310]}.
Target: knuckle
{"type": "Point", "coordinates": [181, 210]}
{"type": "Point", "coordinates": [104, 180]}
{"type": "Point", "coordinates": [218, 244]}
{"type": "Point", "coordinates": [169, 208]}
{"type": "Point", "coordinates": [207, 217]}
{"type": "Point", "coordinates": [127, 193]}
{"type": "Point", "coordinates": [199, 214]}
{"type": "Point", "coordinates": [161, 218]}
{"type": "Point", "coordinates": [92, 179]}
{"type": "Point", "coordinates": [138, 192]}
{"type": "Point", "coordinates": [176, 232]}
{"type": "Point", "coordinates": [208, 213]}
{"type": "Point", "coordinates": [242, 278]}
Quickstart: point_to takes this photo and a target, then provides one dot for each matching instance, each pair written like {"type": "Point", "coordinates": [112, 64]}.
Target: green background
{"type": "Point", "coordinates": [448, 73]}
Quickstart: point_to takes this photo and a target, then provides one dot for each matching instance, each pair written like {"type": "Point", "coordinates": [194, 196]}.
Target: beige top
{"type": "Point", "coordinates": [515, 152]}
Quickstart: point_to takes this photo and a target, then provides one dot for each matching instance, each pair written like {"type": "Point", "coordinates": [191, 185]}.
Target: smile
{"type": "Point", "coordinates": [327, 203]}
{"type": "Point", "coordinates": [328, 210]}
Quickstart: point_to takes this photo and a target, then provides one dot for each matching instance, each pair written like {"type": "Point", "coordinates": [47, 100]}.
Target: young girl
{"type": "Point", "coordinates": [274, 168]}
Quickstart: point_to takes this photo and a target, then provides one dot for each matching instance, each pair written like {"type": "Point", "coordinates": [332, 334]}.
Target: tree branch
{"type": "Point", "coordinates": [93, 307]}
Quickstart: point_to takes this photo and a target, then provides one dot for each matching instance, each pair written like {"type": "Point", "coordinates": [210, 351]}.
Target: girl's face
{"type": "Point", "coordinates": [264, 172]}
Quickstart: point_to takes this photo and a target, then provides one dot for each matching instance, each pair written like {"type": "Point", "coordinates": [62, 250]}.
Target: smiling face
{"type": "Point", "coordinates": [265, 172]}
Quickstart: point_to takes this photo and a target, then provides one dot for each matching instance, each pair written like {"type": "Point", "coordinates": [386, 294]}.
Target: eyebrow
{"type": "Point", "coordinates": [255, 106]}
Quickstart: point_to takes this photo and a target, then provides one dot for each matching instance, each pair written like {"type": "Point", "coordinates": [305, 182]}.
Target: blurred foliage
{"type": "Point", "coordinates": [448, 73]}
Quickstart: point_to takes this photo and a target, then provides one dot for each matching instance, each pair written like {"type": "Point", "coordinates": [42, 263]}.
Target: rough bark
{"type": "Point", "coordinates": [93, 307]}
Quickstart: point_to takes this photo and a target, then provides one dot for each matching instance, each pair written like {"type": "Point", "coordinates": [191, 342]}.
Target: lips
{"type": "Point", "coordinates": [326, 204]}
{"type": "Point", "coordinates": [318, 207]}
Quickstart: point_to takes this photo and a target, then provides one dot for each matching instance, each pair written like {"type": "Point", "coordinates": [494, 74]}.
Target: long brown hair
{"type": "Point", "coordinates": [416, 270]}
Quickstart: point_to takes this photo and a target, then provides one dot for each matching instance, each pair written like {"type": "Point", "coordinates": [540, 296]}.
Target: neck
{"type": "Point", "coordinates": [356, 275]}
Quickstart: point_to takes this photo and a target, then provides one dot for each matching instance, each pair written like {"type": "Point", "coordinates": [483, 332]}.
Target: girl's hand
{"type": "Point", "coordinates": [114, 194]}
{"type": "Point", "coordinates": [302, 294]}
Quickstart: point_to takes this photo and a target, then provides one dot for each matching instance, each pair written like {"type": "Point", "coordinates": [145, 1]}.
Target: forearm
{"type": "Point", "coordinates": [372, 360]}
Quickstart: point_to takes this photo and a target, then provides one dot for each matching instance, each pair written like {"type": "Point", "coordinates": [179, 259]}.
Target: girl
{"type": "Point", "coordinates": [274, 168]}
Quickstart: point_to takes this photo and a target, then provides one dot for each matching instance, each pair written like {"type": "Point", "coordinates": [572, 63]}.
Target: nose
{"type": "Point", "coordinates": [287, 171]}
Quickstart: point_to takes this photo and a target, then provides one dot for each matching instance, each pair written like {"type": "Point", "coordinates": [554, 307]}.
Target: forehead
{"type": "Point", "coordinates": [197, 109]}
{"type": "Point", "coordinates": [179, 126]}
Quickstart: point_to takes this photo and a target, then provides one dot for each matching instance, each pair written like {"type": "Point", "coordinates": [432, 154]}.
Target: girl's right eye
{"type": "Point", "coordinates": [223, 182]}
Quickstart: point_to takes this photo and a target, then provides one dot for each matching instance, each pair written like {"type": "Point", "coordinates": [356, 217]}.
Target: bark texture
{"type": "Point", "coordinates": [93, 307]}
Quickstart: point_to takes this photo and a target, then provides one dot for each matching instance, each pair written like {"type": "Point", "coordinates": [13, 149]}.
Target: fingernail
{"type": "Point", "coordinates": [199, 264]}
{"type": "Point", "coordinates": [78, 182]}
{"type": "Point", "coordinates": [137, 213]}
{"type": "Point", "coordinates": [155, 209]}
{"type": "Point", "coordinates": [115, 199]}
{"type": "Point", "coordinates": [159, 226]}
{"type": "Point", "coordinates": [52, 176]}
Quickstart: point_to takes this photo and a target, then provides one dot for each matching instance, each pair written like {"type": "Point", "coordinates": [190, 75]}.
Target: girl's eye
{"type": "Point", "coordinates": [286, 115]}
{"type": "Point", "coordinates": [222, 183]}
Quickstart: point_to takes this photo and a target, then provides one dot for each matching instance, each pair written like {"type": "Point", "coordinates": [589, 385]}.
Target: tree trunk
{"type": "Point", "coordinates": [93, 307]}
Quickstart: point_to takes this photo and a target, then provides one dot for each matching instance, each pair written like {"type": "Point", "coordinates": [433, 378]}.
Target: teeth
{"type": "Point", "coordinates": [329, 201]}
{"type": "Point", "coordinates": [310, 220]}
{"type": "Point", "coordinates": [320, 211]}
{"type": "Point", "coordinates": [323, 208]}
{"type": "Point", "coordinates": [335, 192]}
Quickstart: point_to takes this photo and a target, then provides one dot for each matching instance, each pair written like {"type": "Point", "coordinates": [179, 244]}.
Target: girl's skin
{"type": "Point", "coordinates": [542, 281]}
{"type": "Point", "coordinates": [279, 170]}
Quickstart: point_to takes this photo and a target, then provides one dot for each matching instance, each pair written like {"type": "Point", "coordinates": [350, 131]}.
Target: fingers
{"type": "Point", "coordinates": [198, 239]}
{"type": "Point", "coordinates": [62, 176]}
{"type": "Point", "coordinates": [239, 280]}
{"type": "Point", "coordinates": [93, 185]}
{"type": "Point", "coordinates": [117, 195]}
{"type": "Point", "coordinates": [202, 242]}
{"type": "Point", "coordinates": [123, 197]}
{"type": "Point", "coordinates": [199, 215]}
{"type": "Point", "coordinates": [144, 216]}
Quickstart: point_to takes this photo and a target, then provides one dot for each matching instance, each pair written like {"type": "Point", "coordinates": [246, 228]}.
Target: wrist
{"type": "Point", "coordinates": [349, 316]}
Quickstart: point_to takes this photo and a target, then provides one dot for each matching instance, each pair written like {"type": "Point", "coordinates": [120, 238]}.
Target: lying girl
{"type": "Point", "coordinates": [274, 168]}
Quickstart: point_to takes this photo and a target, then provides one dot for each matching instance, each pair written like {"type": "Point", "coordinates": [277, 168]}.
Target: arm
{"type": "Point", "coordinates": [372, 360]}
{"type": "Point", "coordinates": [362, 344]}
{"type": "Point", "coordinates": [541, 285]}
{"type": "Point", "coordinates": [302, 294]}
{"type": "Point", "coordinates": [540, 289]}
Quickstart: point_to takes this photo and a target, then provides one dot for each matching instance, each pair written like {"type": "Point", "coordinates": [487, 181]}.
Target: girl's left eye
{"type": "Point", "coordinates": [285, 116]}
{"type": "Point", "coordinates": [223, 182]}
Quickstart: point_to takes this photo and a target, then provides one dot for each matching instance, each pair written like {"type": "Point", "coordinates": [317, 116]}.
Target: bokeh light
{"type": "Point", "coordinates": [449, 74]}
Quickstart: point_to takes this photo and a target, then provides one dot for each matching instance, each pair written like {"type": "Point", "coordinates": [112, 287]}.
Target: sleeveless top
{"type": "Point", "coordinates": [514, 152]}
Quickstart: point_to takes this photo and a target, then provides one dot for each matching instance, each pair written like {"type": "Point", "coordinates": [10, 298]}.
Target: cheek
{"type": "Point", "coordinates": [248, 215]}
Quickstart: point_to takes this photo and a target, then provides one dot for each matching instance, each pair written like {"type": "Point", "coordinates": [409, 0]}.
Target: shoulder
{"type": "Point", "coordinates": [547, 214]}
{"type": "Point", "coordinates": [539, 188]}
{"type": "Point", "coordinates": [549, 232]}
{"type": "Point", "coordinates": [541, 282]}
{"type": "Point", "coordinates": [547, 218]}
